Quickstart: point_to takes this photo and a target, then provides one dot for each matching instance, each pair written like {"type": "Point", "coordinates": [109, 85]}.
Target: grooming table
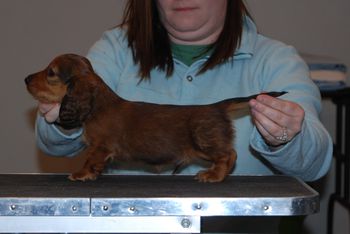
{"type": "Point", "coordinates": [47, 203]}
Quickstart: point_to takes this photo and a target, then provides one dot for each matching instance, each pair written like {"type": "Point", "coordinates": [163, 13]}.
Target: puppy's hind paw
{"type": "Point", "coordinates": [210, 176]}
{"type": "Point", "coordinates": [82, 176]}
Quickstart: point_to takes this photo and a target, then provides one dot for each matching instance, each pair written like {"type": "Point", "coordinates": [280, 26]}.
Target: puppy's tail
{"type": "Point", "coordinates": [235, 106]}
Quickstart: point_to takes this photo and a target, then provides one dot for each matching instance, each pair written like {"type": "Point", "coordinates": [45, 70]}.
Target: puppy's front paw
{"type": "Point", "coordinates": [82, 176]}
{"type": "Point", "coordinates": [210, 176]}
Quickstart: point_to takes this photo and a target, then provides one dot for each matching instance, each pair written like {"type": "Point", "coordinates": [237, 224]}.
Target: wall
{"type": "Point", "coordinates": [33, 32]}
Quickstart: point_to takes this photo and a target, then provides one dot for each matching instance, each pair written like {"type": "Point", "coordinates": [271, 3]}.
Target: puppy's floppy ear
{"type": "Point", "coordinates": [77, 103]}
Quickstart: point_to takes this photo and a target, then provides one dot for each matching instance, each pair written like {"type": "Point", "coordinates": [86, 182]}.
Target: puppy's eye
{"type": "Point", "coordinates": [52, 77]}
{"type": "Point", "coordinates": [50, 72]}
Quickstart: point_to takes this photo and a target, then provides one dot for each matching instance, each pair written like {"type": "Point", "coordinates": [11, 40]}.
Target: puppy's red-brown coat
{"type": "Point", "coordinates": [125, 130]}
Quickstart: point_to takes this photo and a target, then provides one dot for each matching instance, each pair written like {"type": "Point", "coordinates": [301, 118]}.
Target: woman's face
{"type": "Point", "coordinates": [197, 22]}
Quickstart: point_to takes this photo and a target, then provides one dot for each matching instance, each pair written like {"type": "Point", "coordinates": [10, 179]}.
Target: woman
{"type": "Point", "coordinates": [204, 51]}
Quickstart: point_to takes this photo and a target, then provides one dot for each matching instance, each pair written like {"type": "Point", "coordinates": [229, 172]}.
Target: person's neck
{"type": "Point", "coordinates": [194, 38]}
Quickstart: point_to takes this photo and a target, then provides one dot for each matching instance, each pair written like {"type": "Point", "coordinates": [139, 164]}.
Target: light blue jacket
{"type": "Point", "coordinates": [260, 64]}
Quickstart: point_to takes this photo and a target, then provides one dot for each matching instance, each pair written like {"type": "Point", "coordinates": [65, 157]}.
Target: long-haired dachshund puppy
{"type": "Point", "coordinates": [125, 130]}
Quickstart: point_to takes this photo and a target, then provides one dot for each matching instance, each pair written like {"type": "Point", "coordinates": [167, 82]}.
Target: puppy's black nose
{"type": "Point", "coordinates": [28, 79]}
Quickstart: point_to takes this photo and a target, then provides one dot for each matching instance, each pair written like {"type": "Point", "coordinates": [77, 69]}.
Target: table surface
{"type": "Point", "coordinates": [120, 186]}
{"type": "Point", "coordinates": [115, 195]}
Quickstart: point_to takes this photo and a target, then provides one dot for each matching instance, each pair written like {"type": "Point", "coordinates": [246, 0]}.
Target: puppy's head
{"type": "Point", "coordinates": [50, 85]}
{"type": "Point", "coordinates": [69, 80]}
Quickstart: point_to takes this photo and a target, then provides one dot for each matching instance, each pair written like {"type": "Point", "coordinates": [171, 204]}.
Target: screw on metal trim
{"type": "Point", "coordinates": [74, 208]}
{"type": "Point", "coordinates": [266, 207]}
{"type": "Point", "coordinates": [105, 208]}
{"type": "Point", "coordinates": [198, 206]}
{"type": "Point", "coordinates": [186, 223]}
{"type": "Point", "coordinates": [132, 208]}
{"type": "Point", "coordinates": [13, 207]}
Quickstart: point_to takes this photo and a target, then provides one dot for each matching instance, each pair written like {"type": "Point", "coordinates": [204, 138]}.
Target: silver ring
{"type": "Point", "coordinates": [284, 136]}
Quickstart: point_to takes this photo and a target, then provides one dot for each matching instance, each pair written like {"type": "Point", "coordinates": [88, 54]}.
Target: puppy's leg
{"type": "Point", "coordinates": [94, 165]}
{"type": "Point", "coordinates": [222, 166]}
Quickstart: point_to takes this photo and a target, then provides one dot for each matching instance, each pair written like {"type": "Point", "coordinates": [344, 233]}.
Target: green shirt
{"type": "Point", "coordinates": [188, 54]}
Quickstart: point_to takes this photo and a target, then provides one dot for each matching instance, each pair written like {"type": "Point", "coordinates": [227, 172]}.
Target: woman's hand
{"type": "Point", "coordinates": [277, 120]}
{"type": "Point", "coordinates": [50, 111]}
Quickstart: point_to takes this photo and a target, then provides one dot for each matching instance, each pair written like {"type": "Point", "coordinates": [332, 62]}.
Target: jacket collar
{"type": "Point", "coordinates": [248, 40]}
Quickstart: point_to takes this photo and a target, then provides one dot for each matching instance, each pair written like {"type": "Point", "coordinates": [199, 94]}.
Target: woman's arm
{"type": "Point", "coordinates": [308, 150]}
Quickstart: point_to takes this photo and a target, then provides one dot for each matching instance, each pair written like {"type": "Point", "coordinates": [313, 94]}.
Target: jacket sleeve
{"type": "Point", "coordinates": [54, 142]}
{"type": "Point", "coordinates": [308, 156]}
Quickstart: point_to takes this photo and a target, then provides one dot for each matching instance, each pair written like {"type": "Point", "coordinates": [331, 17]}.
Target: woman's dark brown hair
{"type": "Point", "coordinates": [150, 43]}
